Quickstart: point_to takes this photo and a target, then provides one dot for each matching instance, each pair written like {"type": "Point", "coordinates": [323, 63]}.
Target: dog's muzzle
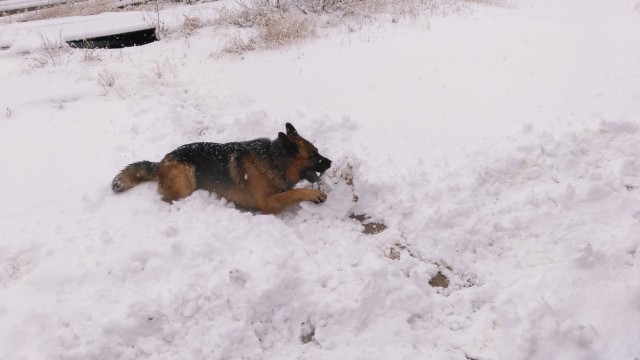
{"type": "Point", "coordinates": [320, 165]}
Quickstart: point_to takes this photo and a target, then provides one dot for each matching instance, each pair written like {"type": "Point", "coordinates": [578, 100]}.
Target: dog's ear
{"type": "Point", "coordinates": [286, 145]}
{"type": "Point", "coordinates": [291, 131]}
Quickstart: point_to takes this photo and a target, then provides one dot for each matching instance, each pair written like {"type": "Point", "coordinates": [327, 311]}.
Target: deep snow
{"type": "Point", "coordinates": [499, 146]}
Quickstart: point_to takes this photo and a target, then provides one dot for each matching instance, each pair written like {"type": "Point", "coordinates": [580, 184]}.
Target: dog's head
{"type": "Point", "coordinates": [300, 159]}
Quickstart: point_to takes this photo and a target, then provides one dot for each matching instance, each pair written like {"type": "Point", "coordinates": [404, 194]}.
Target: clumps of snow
{"type": "Point", "coordinates": [342, 173]}
{"type": "Point", "coordinates": [555, 208]}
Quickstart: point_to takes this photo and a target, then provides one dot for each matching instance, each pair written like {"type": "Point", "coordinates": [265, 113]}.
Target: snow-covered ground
{"type": "Point", "coordinates": [498, 145]}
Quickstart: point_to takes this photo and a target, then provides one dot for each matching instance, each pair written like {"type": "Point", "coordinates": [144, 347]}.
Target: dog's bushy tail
{"type": "Point", "coordinates": [135, 174]}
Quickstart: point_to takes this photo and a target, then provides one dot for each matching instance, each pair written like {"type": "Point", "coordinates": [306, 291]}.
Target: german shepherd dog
{"type": "Point", "coordinates": [256, 175]}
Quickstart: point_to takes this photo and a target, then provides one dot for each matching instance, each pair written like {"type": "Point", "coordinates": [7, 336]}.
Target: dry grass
{"type": "Point", "coordinates": [236, 44]}
{"type": "Point", "coordinates": [276, 23]}
{"type": "Point", "coordinates": [281, 28]}
{"type": "Point", "coordinates": [56, 52]}
{"type": "Point", "coordinates": [283, 22]}
{"type": "Point", "coordinates": [106, 82]}
{"type": "Point", "coordinates": [165, 70]}
{"type": "Point", "coordinates": [71, 8]}
{"type": "Point", "coordinates": [90, 54]}
{"type": "Point", "coordinates": [52, 52]}
{"type": "Point", "coordinates": [82, 8]}
{"type": "Point", "coordinates": [191, 24]}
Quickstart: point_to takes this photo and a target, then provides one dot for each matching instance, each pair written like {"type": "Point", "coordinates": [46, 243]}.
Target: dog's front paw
{"type": "Point", "coordinates": [316, 196]}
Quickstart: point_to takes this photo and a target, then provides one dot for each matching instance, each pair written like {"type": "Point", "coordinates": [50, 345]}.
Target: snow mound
{"type": "Point", "coordinates": [537, 239]}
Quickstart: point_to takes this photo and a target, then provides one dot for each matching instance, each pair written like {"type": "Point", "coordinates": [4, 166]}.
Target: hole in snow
{"type": "Point", "coordinates": [308, 333]}
{"type": "Point", "coordinates": [370, 227]}
{"type": "Point", "coordinates": [439, 280]}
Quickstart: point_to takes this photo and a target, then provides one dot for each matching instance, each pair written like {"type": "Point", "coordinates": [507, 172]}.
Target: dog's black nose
{"type": "Point", "coordinates": [322, 164]}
